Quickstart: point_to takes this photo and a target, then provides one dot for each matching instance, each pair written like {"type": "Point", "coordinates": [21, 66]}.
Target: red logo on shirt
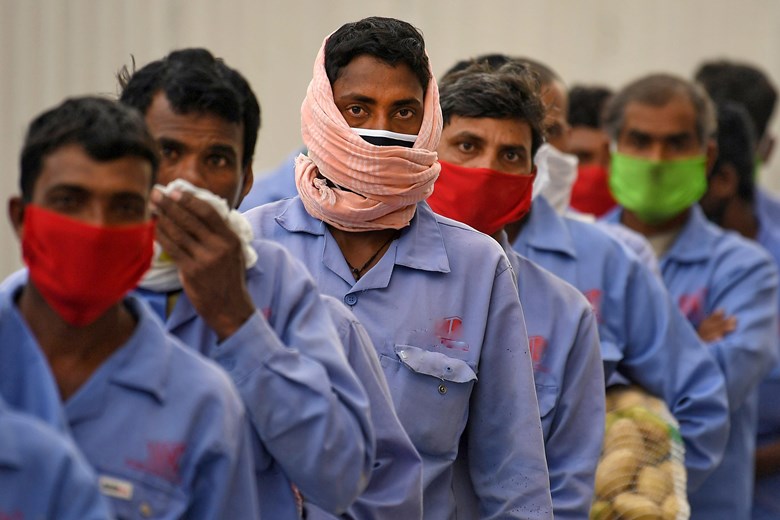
{"type": "Point", "coordinates": [692, 305]}
{"type": "Point", "coordinates": [594, 298]}
{"type": "Point", "coordinates": [16, 515]}
{"type": "Point", "coordinates": [449, 332]}
{"type": "Point", "coordinates": [162, 459]}
{"type": "Point", "coordinates": [537, 345]}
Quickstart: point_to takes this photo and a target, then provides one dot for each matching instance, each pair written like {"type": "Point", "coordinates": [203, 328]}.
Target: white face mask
{"type": "Point", "coordinates": [556, 173]}
{"type": "Point", "coordinates": [386, 137]}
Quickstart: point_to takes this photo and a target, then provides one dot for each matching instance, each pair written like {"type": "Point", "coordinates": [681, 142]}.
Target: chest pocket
{"type": "Point", "coordinates": [431, 394]}
{"type": "Point", "coordinates": [135, 497]}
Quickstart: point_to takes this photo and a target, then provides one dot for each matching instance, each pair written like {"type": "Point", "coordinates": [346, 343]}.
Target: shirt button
{"type": "Point", "coordinates": [145, 510]}
{"type": "Point", "coordinates": [350, 299]}
{"type": "Point", "coordinates": [442, 389]}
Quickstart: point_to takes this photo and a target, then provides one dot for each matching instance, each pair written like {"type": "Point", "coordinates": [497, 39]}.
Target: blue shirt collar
{"type": "Point", "coordinates": [420, 246]}
{"type": "Point", "coordinates": [695, 242]}
{"type": "Point", "coordinates": [546, 230]}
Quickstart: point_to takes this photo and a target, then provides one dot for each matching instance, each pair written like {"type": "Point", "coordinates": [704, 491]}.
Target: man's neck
{"type": "Point", "coordinates": [740, 216]}
{"type": "Point", "coordinates": [631, 221]}
{"type": "Point", "coordinates": [74, 353]}
{"type": "Point", "coordinates": [363, 250]}
{"type": "Point", "coordinates": [513, 229]}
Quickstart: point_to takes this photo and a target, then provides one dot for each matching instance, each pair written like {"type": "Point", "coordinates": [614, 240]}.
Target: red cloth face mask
{"type": "Point", "coordinates": [82, 270]}
{"type": "Point", "coordinates": [485, 199]}
{"type": "Point", "coordinates": [590, 193]}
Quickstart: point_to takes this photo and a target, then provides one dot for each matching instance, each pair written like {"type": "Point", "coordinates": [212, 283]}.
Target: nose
{"type": "Point", "coordinates": [187, 168]}
{"type": "Point", "coordinates": [657, 151]}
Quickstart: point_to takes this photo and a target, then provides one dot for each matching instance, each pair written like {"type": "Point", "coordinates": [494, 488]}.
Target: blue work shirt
{"type": "Point", "coordinates": [26, 382]}
{"type": "Point", "coordinates": [395, 488]}
{"type": "Point", "coordinates": [307, 407]}
{"type": "Point", "coordinates": [274, 185]}
{"type": "Point", "coordinates": [42, 473]}
{"type": "Point", "coordinates": [569, 376]}
{"type": "Point", "coordinates": [643, 335]}
{"type": "Point", "coordinates": [442, 310]}
{"type": "Point", "coordinates": [767, 207]}
{"type": "Point", "coordinates": [163, 428]}
{"type": "Point", "coordinates": [707, 269]}
{"type": "Point", "coordinates": [766, 499]}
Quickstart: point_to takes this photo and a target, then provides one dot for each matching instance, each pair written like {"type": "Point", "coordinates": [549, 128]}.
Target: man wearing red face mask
{"type": "Point", "coordinates": [590, 193]}
{"type": "Point", "coordinates": [162, 447]}
{"type": "Point", "coordinates": [492, 129]}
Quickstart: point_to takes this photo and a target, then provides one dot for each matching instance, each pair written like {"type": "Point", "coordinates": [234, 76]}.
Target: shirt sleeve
{"type": "Point", "coordinates": [665, 356]}
{"type": "Point", "coordinates": [505, 445]}
{"type": "Point", "coordinates": [305, 404]}
{"type": "Point", "coordinates": [225, 484]}
{"type": "Point", "coordinates": [573, 444]}
{"type": "Point", "coordinates": [746, 290]}
{"type": "Point", "coordinates": [395, 488]}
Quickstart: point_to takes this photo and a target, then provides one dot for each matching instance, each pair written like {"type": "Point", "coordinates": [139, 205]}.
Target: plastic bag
{"type": "Point", "coordinates": [641, 474]}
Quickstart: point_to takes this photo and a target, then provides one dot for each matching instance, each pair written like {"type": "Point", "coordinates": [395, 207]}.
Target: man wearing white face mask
{"type": "Point", "coordinates": [641, 330]}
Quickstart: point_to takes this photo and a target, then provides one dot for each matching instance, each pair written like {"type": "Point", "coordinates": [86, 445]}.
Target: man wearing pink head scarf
{"type": "Point", "coordinates": [437, 297]}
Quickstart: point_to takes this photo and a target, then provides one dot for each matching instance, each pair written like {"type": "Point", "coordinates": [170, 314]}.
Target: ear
{"type": "Point", "coordinates": [247, 182]}
{"type": "Point", "coordinates": [16, 215]}
{"type": "Point", "coordinates": [724, 183]}
{"type": "Point", "coordinates": [711, 153]}
{"type": "Point", "coordinates": [765, 148]}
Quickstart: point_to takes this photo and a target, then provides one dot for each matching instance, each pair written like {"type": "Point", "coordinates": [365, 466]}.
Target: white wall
{"type": "Point", "coordinates": [50, 49]}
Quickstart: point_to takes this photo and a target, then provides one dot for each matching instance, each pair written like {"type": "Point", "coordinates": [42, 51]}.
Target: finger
{"type": "Point", "coordinates": [184, 219]}
{"type": "Point", "coordinates": [204, 211]}
{"type": "Point", "coordinates": [178, 244]}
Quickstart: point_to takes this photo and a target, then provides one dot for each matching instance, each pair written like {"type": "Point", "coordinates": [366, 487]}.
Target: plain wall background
{"type": "Point", "coordinates": [51, 49]}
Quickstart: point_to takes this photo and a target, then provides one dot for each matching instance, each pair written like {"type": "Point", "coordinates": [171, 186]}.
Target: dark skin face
{"type": "Point", "coordinates": [661, 133]}
{"type": "Point", "coordinates": [369, 93]}
{"type": "Point", "coordinates": [590, 145]}
{"type": "Point", "coordinates": [556, 105]}
{"type": "Point", "coordinates": [205, 150]}
{"type": "Point", "coordinates": [498, 144]}
{"type": "Point", "coordinates": [107, 194]}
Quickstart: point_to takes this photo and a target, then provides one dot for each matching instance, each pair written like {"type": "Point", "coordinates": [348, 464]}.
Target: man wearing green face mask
{"type": "Point", "coordinates": [662, 130]}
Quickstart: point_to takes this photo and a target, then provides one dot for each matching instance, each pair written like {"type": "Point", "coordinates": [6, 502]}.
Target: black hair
{"type": "Point", "coordinates": [657, 90]}
{"type": "Point", "coordinates": [741, 83]}
{"type": "Point", "coordinates": [510, 91]}
{"type": "Point", "coordinates": [387, 39]}
{"type": "Point", "coordinates": [586, 105]}
{"type": "Point", "coordinates": [105, 129]}
{"type": "Point", "coordinates": [545, 75]}
{"type": "Point", "coordinates": [194, 80]}
{"type": "Point", "coordinates": [735, 146]}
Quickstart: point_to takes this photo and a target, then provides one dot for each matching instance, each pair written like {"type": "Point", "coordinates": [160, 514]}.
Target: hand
{"type": "Point", "coordinates": [209, 258]}
{"type": "Point", "coordinates": [717, 325]}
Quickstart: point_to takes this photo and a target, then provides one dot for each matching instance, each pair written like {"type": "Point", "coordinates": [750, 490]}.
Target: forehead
{"type": "Point", "coordinates": [71, 165]}
{"type": "Point", "coordinates": [368, 76]}
{"type": "Point", "coordinates": [584, 137]}
{"type": "Point", "coordinates": [676, 116]}
{"type": "Point", "coordinates": [555, 98]}
{"type": "Point", "coordinates": [510, 132]}
{"type": "Point", "coordinates": [194, 127]}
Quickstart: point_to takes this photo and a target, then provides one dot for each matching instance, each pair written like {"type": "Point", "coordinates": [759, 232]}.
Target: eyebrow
{"type": "Point", "coordinates": [468, 135]}
{"type": "Point", "coordinates": [223, 148]}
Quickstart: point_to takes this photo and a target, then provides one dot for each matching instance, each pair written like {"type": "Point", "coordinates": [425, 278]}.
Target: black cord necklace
{"type": "Point", "coordinates": [357, 273]}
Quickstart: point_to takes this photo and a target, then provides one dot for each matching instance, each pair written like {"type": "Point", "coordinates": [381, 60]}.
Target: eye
{"type": "Point", "coordinates": [406, 113]}
{"type": "Point", "coordinates": [218, 161]}
{"type": "Point", "coordinates": [466, 147]}
{"type": "Point", "coordinates": [131, 209]}
{"type": "Point", "coordinates": [512, 156]}
{"type": "Point", "coordinates": [168, 152]}
{"type": "Point", "coordinates": [355, 110]}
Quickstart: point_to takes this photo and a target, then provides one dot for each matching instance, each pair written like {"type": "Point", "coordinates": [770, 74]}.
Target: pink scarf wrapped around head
{"type": "Point", "coordinates": [386, 182]}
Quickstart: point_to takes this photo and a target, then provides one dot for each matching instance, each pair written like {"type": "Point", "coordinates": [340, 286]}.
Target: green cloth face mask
{"type": "Point", "coordinates": [656, 191]}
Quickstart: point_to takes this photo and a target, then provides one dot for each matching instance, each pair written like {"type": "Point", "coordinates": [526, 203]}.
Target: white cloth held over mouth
{"type": "Point", "coordinates": [163, 275]}
{"type": "Point", "coordinates": [555, 177]}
